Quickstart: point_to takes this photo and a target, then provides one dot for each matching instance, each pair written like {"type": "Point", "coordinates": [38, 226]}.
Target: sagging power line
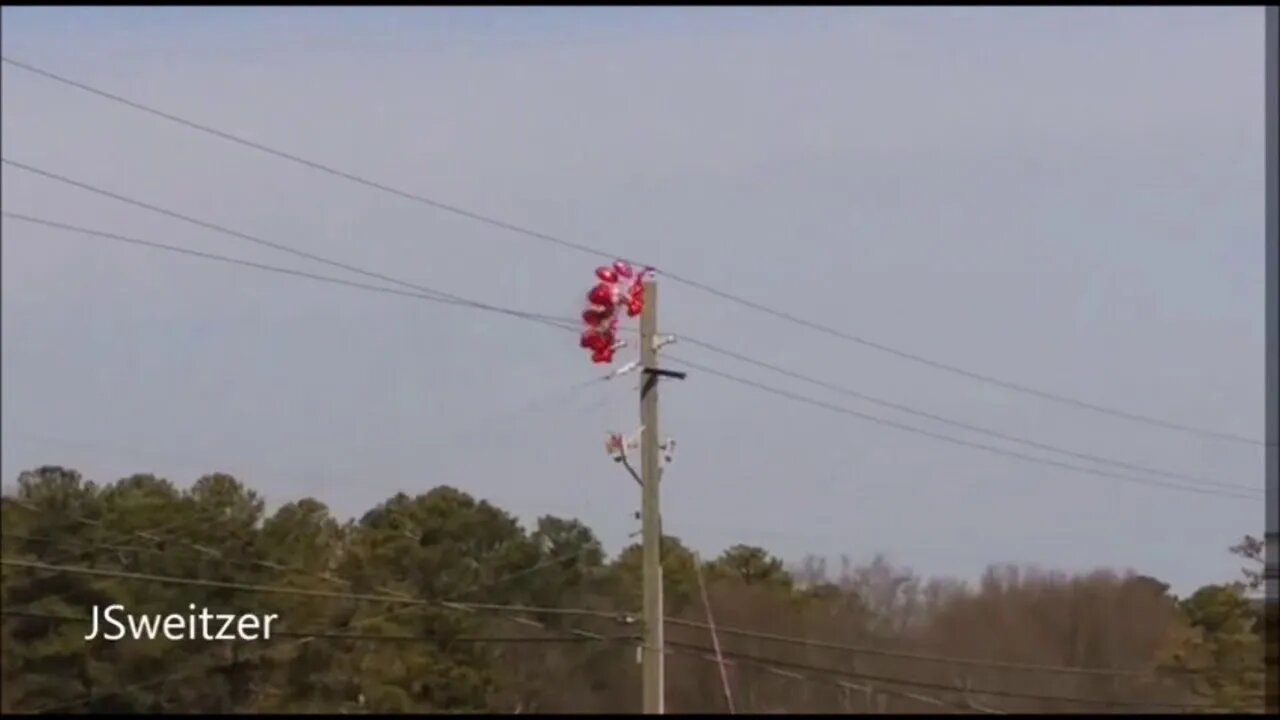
{"type": "Point", "coordinates": [672, 646]}
{"type": "Point", "coordinates": [432, 296]}
{"type": "Point", "coordinates": [279, 634]}
{"type": "Point", "coordinates": [1238, 494]}
{"type": "Point", "coordinates": [437, 294]}
{"type": "Point", "coordinates": [957, 423]}
{"type": "Point", "coordinates": [562, 324]}
{"type": "Point", "coordinates": [214, 554]}
{"type": "Point", "coordinates": [625, 618]}
{"type": "Point", "coordinates": [595, 252]}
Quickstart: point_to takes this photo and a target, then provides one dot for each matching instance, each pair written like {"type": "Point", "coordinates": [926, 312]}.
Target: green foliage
{"type": "Point", "coordinates": [1222, 646]}
{"type": "Point", "coordinates": [679, 574]}
{"type": "Point", "coordinates": [446, 545]}
{"type": "Point", "coordinates": [752, 566]}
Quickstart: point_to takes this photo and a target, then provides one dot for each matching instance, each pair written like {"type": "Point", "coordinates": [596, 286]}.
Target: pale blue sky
{"type": "Point", "coordinates": [1066, 198]}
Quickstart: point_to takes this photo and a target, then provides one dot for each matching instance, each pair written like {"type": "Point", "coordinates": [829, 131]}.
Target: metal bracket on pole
{"type": "Point", "coordinates": [628, 368]}
{"type": "Point", "coordinates": [665, 373]}
{"type": "Point", "coordinates": [668, 450]}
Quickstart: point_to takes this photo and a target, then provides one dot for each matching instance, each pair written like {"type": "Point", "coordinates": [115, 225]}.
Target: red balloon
{"type": "Point", "coordinates": [607, 298]}
{"type": "Point", "coordinates": [601, 294]}
{"type": "Point", "coordinates": [594, 339]}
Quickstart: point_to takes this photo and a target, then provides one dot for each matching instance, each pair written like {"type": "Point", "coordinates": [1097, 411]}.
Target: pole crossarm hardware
{"type": "Point", "coordinates": [665, 373]}
{"type": "Point", "coordinates": [617, 446]}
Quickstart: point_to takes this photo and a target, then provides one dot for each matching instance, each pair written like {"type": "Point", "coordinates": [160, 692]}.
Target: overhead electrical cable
{"type": "Point", "coordinates": [598, 253]}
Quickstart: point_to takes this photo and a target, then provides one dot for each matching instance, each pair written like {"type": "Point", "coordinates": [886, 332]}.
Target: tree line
{"type": "Point", "coordinates": [442, 602]}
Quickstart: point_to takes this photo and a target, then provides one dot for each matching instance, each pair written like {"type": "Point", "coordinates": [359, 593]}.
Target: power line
{"type": "Point", "coordinates": [1228, 490]}
{"type": "Point", "coordinates": [915, 657]}
{"type": "Point", "coordinates": [207, 553]}
{"type": "Point", "coordinates": [112, 547]}
{"type": "Point", "coordinates": [515, 608]}
{"type": "Point", "coordinates": [362, 286]}
{"type": "Point", "coordinates": [734, 631]}
{"type": "Point", "coordinates": [203, 553]}
{"type": "Point", "coordinates": [368, 620]}
{"type": "Point", "coordinates": [315, 165]}
{"type": "Point", "coordinates": [437, 294]}
{"type": "Point", "coordinates": [357, 597]}
{"type": "Point", "coordinates": [595, 252]}
{"type": "Point", "coordinates": [954, 440]}
{"type": "Point", "coordinates": [301, 592]}
{"type": "Point", "coordinates": [200, 552]}
{"type": "Point", "coordinates": [372, 637]}
{"type": "Point", "coordinates": [451, 604]}
{"type": "Point", "coordinates": [844, 685]}
{"type": "Point", "coordinates": [407, 638]}
{"type": "Point", "coordinates": [672, 620]}
{"type": "Point", "coordinates": [739, 632]}
{"type": "Point", "coordinates": [1007, 385]}
{"type": "Point", "coordinates": [577, 637]}
{"type": "Point", "coordinates": [554, 321]}
{"type": "Point", "coordinates": [742, 657]}
{"type": "Point", "coordinates": [264, 564]}
{"type": "Point", "coordinates": [956, 423]}
{"type": "Point", "coordinates": [758, 660]}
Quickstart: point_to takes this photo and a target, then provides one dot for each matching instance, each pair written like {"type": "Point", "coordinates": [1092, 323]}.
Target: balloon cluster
{"type": "Point", "coordinates": [606, 302]}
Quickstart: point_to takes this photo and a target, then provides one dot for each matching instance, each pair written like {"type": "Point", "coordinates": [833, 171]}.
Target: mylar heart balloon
{"type": "Point", "coordinates": [606, 300]}
{"type": "Point", "coordinates": [595, 315]}
{"type": "Point", "coordinates": [601, 294]}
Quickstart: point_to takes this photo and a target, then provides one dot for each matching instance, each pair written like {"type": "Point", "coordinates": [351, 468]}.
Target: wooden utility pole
{"type": "Point", "coordinates": [651, 518]}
